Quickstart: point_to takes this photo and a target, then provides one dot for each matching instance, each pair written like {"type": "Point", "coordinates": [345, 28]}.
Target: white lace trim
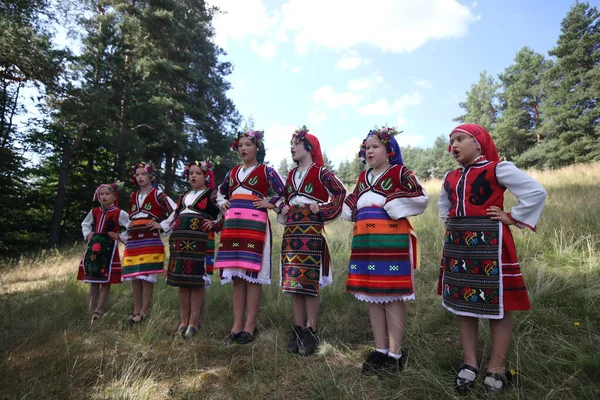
{"type": "Point", "coordinates": [383, 300]}
{"type": "Point", "coordinates": [229, 279]}
{"type": "Point", "coordinates": [148, 278]}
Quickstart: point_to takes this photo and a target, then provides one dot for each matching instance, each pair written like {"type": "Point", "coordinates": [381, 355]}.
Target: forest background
{"type": "Point", "coordinates": [149, 83]}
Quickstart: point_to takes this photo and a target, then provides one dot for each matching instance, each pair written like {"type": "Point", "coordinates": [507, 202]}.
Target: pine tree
{"type": "Point", "coordinates": [517, 129]}
{"type": "Point", "coordinates": [570, 132]}
{"type": "Point", "coordinates": [482, 103]}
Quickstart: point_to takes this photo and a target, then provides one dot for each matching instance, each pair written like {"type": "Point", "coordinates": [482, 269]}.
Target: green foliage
{"type": "Point", "coordinates": [482, 103]}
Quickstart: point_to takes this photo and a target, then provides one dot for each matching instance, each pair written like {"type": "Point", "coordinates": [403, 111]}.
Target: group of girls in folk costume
{"type": "Point", "coordinates": [150, 213]}
{"type": "Point", "coordinates": [192, 244]}
{"type": "Point", "coordinates": [101, 265]}
{"type": "Point", "coordinates": [244, 255]}
{"type": "Point", "coordinates": [480, 275]}
{"type": "Point", "coordinates": [385, 250]}
{"type": "Point", "coordinates": [313, 197]}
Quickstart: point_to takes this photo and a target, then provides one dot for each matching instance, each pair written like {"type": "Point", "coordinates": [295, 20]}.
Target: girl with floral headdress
{"type": "Point", "coordinates": [244, 255]}
{"type": "Point", "coordinates": [385, 249]}
{"type": "Point", "coordinates": [313, 198]}
{"type": "Point", "coordinates": [145, 253]}
{"type": "Point", "coordinates": [101, 265]}
{"type": "Point", "coordinates": [191, 244]}
{"type": "Point", "coordinates": [479, 273]}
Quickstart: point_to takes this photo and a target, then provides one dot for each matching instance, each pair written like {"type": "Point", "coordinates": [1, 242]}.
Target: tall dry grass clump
{"type": "Point", "coordinates": [50, 350]}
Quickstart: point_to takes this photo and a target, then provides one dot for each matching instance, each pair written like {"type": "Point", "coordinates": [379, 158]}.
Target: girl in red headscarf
{"type": "Point", "coordinates": [191, 244]}
{"type": "Point", "coordinates": [480, 275]}
{"type": "Point", "coordinates": [313, 197]}
{"type": "Point", "coordinates": [101, 265]}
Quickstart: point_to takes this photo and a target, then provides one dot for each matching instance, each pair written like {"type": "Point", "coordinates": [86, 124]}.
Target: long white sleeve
{"type": "Point", "coordinates": [87, 226]}
{"type": "Point", "coordinates": [529, 192]}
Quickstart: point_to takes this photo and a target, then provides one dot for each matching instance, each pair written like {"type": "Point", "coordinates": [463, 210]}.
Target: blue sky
{"type": "Point", "coordinates": [343, 66]}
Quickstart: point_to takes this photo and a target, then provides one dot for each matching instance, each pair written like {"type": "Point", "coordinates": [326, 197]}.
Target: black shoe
{"type": "Point", "coordinates": [191, 331]}
{"type": "Point", "coordinates": [245, 338]}
{"type": "Point", "coordinates": [497, 382]}
{"type": "Point", "coordinates": [374, 363]}
{"type": "Point", "coordinates": [230, 338]}
{"type": "Point", "coordinates": [394, 366]}
{"type": "Point", "coordinates": [309, 343]}
{"type": "Point", "coordinates": [296, 337]}
{"type": "Point", "coordinates": [179, 331]}
{"type": "Point", "coordinates": [464, 384]}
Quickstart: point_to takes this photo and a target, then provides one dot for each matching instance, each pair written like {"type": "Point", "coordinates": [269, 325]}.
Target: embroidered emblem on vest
{"type": "Point", "coordinates": [253, 181]}
{"type": "Point", "coordinates": [289, 190]}
{"type": "Point", "coordinates": [361, 186]}
{"type": "Point", "coordinates": [309, 188]}
{"type": "Point", "coordinates": [230, 181]}
{"type": "Point", "coordinates": [148, 206]}
{"type": "Point", "coordinates": [387, 184]}
{"type": "Point", "coordinates": [133, 207]}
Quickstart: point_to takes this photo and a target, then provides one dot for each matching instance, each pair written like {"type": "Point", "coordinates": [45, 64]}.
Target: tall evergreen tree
{"type": "Point", "coordinates": [482, 103]}
{"type": "Point", "coordinates": [571, 111]}
{"type": "Point", "coordinates": [517, 129]}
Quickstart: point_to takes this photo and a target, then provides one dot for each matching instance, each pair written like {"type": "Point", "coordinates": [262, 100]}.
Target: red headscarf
{"type": "Point", "coordinates": [112, 187]}
{"type": "Point", "coordinates": [315, 150]}
{"type": "Point", "coordinates": [483, 139]}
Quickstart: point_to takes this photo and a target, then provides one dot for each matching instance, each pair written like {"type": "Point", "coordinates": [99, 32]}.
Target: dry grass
{"type": "Point", "coordinates": [49, 349]}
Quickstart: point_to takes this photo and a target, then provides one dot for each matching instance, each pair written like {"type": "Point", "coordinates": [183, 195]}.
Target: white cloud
{"type": "Point", "coordinates": [345, 151]}
{"type": "Point", "coordinates": [423, 83]}
{"type": "Point", "coordinates": [277, 141]}
{"type": "Point", "coordinates": [327, 95]}
{"type": "Point", "coordinates": [240, 19]}
{"type": "Point", "coordinates": [265, 50]}
{"type": "Point", "coordinates": [409, 140]}
{"type": "Point", "coordinates": [396, 26]}
{"type": "Point", "coordinates": [364, 83]}
{"type": "Point", "coordinates": [315, 118]}
{"type": "Point", "coordinates": [351, 61]}
{"type": "Point", "coordinates": [284, 64]}
{"type": "Point", "coordinates": [296, 69]}
{"type": "Point", "coordinates": [383, 107]}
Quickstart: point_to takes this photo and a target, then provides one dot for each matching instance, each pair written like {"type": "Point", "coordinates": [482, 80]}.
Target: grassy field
{"type": "Point", "coordinates": [49, 350]}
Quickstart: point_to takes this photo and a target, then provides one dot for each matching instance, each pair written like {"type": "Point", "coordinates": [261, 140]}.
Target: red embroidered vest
{"type": "Point", "coordinates": [106, 220]}
{"type": "Point", "coordinates": [310, 186]}
{"type": "Point", "coordinates": [256, 181]}
{"type": "Point", "coordinates": [386, 184]}
{"type": "Point", "coordinates": [202, 205]}
{"type": "Point", "coordinates": [150, 206]}
{"type": "Point", "coordinates": [473, 189]}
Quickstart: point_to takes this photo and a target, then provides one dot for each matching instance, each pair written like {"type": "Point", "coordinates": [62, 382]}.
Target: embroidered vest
{"type": "Point", "coordinates": [310, 186]}
{"type": "Point", "coordinates": [106, 220]}
{"type": "Point", "coordinates": [256, 181]}
{"type": "Point", "coordinates": [386, 184]}
{"type": "Point", "coordinates": [150, 206]}
{"type": "Point", "coordinates": [203, 204]}
{"type": "Point", "coordinates": [473, 189]}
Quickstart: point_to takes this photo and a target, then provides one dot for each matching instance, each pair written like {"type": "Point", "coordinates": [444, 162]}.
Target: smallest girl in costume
{"type": "Point", "coordinates": [144, 252]}
{"type": "Point", "coordinates": [384, 246]}
{"type": "Point", "coordinates": [479, 273]}
{"type": "Point", "coordinates": [101, 265]}
{"type": "Point", "coordinates": [192, 244]}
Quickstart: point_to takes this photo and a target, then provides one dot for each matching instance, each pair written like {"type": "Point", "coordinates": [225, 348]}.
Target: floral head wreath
{"type": "Point", "coordinates": [386, 135]}
{"type": "Point", "coordinates": [300, 134]}
{"type": "Point", "coordinates": [205, 167]}
{"type": "Point", "coordinates": [112, 187]}
{"type": "Point", "coordinates": [256, 137]}
{"type": "Point", "coordinates": [148, 167]}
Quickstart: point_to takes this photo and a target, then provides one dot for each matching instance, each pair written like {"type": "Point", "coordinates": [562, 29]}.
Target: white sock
{"type": "Point", "coordinates": [394, 355]}
{"type": "Point", "coordinates": [384, 351]}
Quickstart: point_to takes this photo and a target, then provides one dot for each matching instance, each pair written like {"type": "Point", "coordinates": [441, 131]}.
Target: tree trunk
{"type": "Point", "coordinates": [59, 204]}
